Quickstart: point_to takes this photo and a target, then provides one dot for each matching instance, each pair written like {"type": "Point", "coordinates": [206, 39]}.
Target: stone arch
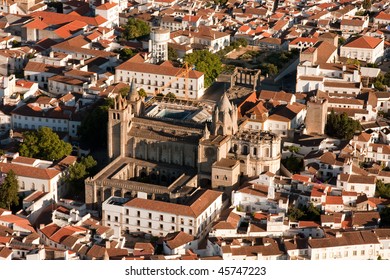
{"type": "Point", "coordinates": [127, 194]}
{"type": "Point", "coordinates": [118, 193]}
{"type": "Point", "coordinates": [106, 194]}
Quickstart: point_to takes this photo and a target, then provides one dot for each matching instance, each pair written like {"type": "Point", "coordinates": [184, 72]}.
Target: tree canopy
{"type": "Point", "coordinates": [382, 189]}
{"type": "Point", "coordinates": [293, 164]}
{"type": "Point", "coordinates": [126, 53]}
{"type": "Point", "coordinates": [9, 191]}
{"type": "Point", "coordinates": [367, 4]}
{"type": "Point", "coordinates": [44, 144]}
{"type": "Point", "coordinates": [135, 29]}
{"type": "Point", "coordinates": [172, 54]}
{"type": "Point", "coordinates": [304, 213]}
{"type": "Point", "coordinates": [93, 128]}
{"type": "Point", "coordinates": [78, 172]}
{"type": "Point", "coordinates": [341, 126]}
{"type": "Point", "coordinates": [206, 62]}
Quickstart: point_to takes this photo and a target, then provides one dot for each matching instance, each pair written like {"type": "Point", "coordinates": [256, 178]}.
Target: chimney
{"type": "Point", "coordinates": [108, 244]}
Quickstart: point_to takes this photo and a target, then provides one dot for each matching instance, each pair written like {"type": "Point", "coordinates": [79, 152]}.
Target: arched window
{"type": "Point", "coordinates": [244, 150]}
{"type": "Point", "coordinates": [255, 151]}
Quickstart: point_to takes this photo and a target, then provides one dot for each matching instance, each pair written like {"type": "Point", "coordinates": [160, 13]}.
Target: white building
{"type": "Point", "coordinates": [162, 78]}
{"type": "Point", "coordinates": [45, 114]}
{"type": "Point", "coordinates": [37, 175]}
{"type": "Point", "coordinates": [379, 153]}
{"type": "Point", "coordinates": [357, 183]}
{"type": "Point", "coordinates": [355, 245]}
{"type": "Point", "coordinates": [160, 218]}
{"type": "Point", "coordinates": [364, 48]}
{"type": "Point", "coordinates": [109, 11]}
{"type": "Point", "coordinates": [328, 77]}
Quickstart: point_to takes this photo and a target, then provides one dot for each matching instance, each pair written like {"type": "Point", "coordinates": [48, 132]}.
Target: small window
{"type": "Point", "coordinates": [108, 217]}
{"type": "Point", "coordinates": [150, 215]}
{"type": "Point", "coordinates": [138, 213]}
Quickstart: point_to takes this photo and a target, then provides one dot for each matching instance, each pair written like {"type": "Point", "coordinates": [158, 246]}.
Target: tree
{"type": "Point", "coordinates": [93, 128]}
{"type": "Point", "coordinates": [243, 42]}
{"type": "Point", "coordinates": [341, 41]}
{"type": "Point", "coordinates": [304, 213]}
{"type": "Point", "coordinates": [124, 91]}
{"type": "Point", "coordinates": [293, 164]}
{"type": "Point", "coordinates": [135, 29]}
{"type": "Point", "coordinates": [386, 79]}
{"type": "Point", "coordinates": [78, 172]}
{"type": "Point", "coordinates": [170, 95]}
{"type": "Point", "coordinates": [172, 54]}
{"type": "Point", "coordinates": [9, 191]}
{"type": "Point", "coordinates": [293, 149]}
{"type": "Point", "coordinates": [295, 214]}
{"type": "Point", "coordinates": [126, 53]}
{"type": "Point", "coordinates": [385, 217]}
{"type": "Point", "coordinates": [341, 126]}
{"type": "Point", "coordinates": [206, 62]}
{"type": "Point", "coordinates": [378, 84]}
{"type": "Point", "coordinates": [353, 61]}
{"type": "Point", "coordinates": [220, 2]}
{"type": "Point", "coordinates": [44, 144]}
{"type": "Point", "coordinates": [142, 93]}
{"type": "Point", "coordinates": [16, 44]}
{"type": "Point", "coordinates": [367, 4]}
{"type": "Point", "coordinates": [382, 189]}
{"type": "Point", "coordinates": [269, 68]}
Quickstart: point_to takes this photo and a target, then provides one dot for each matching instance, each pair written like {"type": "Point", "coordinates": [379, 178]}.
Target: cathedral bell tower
{"type": "Point", "coordinates": [224, 117]}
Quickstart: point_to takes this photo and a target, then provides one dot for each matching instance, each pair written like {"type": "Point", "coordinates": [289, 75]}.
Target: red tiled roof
{"type": "Point", "coordinates": [134, 65]}
{"type": "Point", "coordinates": [28, 171]}
{"type": "Point", "coordinates": [193, 210]}
{"type": "Point", "coordinates": [52, 18]}
{"type": "Point", "coordinates": [106, 6]}
{"type": "Point", "coordinates": [364, 42]}
{"type": "Point", "coordinates": [334, 200]}
{"type": "Point", "coordinates": [383, 15]}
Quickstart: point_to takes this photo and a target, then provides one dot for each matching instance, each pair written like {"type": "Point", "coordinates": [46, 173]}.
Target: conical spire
{"type": "Point", "coordinates": [224, 103]}
{"type": "Point", "coordinates": [132, 94]}
{"type": "Point", "coordinates": [206, 133]}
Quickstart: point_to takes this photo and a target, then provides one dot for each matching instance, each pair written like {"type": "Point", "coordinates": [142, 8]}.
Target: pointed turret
{"type": "Point", "coordinates": [224, 104]}
{"type": "Point", "coordinates": [132, 95]}
{"type": "Point", "coordinates": [206, 133]}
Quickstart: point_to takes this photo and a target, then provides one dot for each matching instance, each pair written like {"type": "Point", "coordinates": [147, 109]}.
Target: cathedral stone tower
{"type": "Point", "coordinates": [134, 100]}
{"type": "Point", "coordinates": [224, 117]}
{"type": "Point", "coordinates": [119, 121]}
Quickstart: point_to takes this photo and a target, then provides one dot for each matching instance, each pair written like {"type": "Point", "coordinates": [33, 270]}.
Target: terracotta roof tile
{"type": "Point", "coordinates": [177, 239]}
{"type": "Point", "coordinates": [364, 42]}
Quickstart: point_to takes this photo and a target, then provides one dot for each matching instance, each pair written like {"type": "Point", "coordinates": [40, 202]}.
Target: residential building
{"type": "Point", "coordinates": [160, 218]}
{"type": "Point", "coordinates": [364, 48]}
{"type": "Point", "coordinates": [162, 78]}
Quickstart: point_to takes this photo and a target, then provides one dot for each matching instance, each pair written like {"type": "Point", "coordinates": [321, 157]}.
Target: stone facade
{"type": "Point", "coordinates": [317, 111]}
{"type": "Point", "coordinates": [168, 157]}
